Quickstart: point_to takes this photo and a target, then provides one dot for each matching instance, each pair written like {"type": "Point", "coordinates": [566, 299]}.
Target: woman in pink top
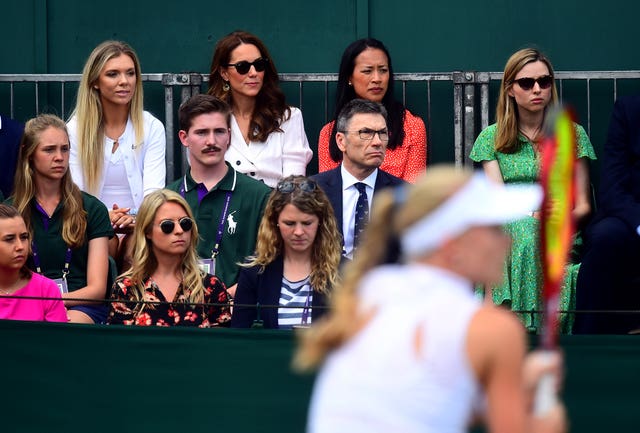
{"type": "Point", "coordinates": [366, 72]}
{"type": "Point", "coordinates": [17, 281]}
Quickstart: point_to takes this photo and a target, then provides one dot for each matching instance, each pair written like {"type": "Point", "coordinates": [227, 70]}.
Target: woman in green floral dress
{"type": "Point", "coordinates": [508, 151]}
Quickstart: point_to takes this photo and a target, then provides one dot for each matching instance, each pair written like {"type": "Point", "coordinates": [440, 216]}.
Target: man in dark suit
{"type": "Point", "coordinates": [10, 135]}
{"type": "Point", "coordinates": [609, 277]}
{"type": "Point", "coordinates": [362, 136]}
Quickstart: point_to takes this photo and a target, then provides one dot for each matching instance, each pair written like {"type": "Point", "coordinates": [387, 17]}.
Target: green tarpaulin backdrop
{"type": "Point", "coordinates": [75, 378]}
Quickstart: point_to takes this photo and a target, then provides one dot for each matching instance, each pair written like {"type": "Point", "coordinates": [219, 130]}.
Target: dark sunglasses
{"type": "Point", "coordinates": [527, 83]}
{"type": "Point", "coordinates": [243, 67]}
{"type": "Point", "coordinates": [167, 226]}
{"type": "Point", "coordinates": [288, 186]}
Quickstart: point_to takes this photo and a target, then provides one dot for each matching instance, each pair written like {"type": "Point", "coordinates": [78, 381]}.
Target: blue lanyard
{"type": "Point", "coordinates": [223, 217]}
{"type": "Point", "coordinates": [36, 260]}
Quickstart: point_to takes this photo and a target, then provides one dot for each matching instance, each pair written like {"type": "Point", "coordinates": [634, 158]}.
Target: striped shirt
{"type": "Point", "coordinates": [295, 301]}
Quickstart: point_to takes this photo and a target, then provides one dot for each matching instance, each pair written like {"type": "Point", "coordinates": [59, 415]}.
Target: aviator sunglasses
{"type": "Point", "coordinates": [288, 186]}
{"type": "Point", "coordinates": [167, 226]}
{"type": "Point", "coordinates": [243, 67]}
{"type": "Point", "coordinates": [527, 83]}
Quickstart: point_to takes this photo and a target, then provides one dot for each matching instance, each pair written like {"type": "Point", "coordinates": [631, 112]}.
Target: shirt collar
{"type": "Point", "coordinates": [349, 180]}
{"type": "Point", "coordinates": [227, 183]}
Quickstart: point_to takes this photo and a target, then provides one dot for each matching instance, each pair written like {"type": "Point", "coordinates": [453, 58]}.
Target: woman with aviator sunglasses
{"type": "Point", "coordinates": [296, 262]}
{"type": "Point", "coordinates": [268, 141]}
{"type": "Point", "coordinates": [165, 286]}
{"type": "Point", "coordinates": [508, 151]}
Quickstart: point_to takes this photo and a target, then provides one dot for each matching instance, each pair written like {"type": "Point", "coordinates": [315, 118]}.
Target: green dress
{"type": "Point", "coordinates": [522, 285]}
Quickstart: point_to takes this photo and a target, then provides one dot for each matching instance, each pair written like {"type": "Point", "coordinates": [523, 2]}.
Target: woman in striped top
{"type": "Point", "coordinates": [285, 283]}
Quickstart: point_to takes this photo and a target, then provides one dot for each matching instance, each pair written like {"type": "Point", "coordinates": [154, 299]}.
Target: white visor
{"type": "Point", "coordinates": [480, 202]}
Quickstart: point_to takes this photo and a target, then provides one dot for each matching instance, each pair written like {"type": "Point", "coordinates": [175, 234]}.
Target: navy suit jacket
{"type": "Point", "coordinates": [331, 183]}
{"type": "Point", "coordinates": [619, 194]}
{"type": "Point", "coordinates": [264, 288]}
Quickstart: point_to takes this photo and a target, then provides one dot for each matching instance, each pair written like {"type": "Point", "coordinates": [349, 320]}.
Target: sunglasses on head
{"type": "Point", "coordinates": [527, 83]}
{"type": "Point", "coordinates": [288, 186]}
{"type": "Point", "coordinates": [167, 226]}
{"type": "Point", "coordinates": [243, 67]}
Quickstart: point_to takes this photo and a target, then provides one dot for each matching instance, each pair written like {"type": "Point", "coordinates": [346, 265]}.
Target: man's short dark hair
{"type": "Point", "coordinates": [358, 106]}
{"type": "Point", "coordinates": [202, 104]}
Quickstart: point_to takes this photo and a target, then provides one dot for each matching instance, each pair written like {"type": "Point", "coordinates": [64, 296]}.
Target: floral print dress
{"type": "Point", "coordinates": [214, 311]}
{"type": "Point", "coordinates": [522, 284]}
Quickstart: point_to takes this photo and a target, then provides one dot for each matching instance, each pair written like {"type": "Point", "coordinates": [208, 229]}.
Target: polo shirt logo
{"type": "Point", "coordinates": [231, 223]}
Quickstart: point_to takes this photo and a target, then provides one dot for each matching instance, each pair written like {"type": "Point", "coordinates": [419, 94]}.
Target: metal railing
{"type": "Point", "coordinates": [471, 112]}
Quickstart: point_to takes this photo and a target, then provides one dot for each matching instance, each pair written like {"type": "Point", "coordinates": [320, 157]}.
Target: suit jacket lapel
{"type": "Point", "coordinates": [381, 182]}
{"type": "Point", "coordinates": [335, 196]}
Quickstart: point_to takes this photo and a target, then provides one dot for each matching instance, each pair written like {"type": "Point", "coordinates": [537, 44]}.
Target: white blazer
{"type": "Point", "coordinates": [144, 162]}
{"type": "Point", "coordinates": [284, 153]}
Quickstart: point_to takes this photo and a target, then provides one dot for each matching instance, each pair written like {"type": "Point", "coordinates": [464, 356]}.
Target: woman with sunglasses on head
{"type": "Point", "coordinates": [407, 346]}
{"type": "Point", "coordinates": [117, 148]}
{"type": "Point", "coordinates": [18, 281]}
{"type": "Point", "coordinates": [165, 285]}
{"type": "Point", "coordinates": [268, 141]}
{"type": "Point", "coordinates": [509, 153]}
{"type": "Point", "coordinates": [366, 72]}
{"type": "Point", "coordinates": [296, 261]}
{"type": "Point", "coordinates": [70, 229]}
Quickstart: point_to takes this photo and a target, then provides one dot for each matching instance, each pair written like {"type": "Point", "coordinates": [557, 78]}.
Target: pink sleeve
{"type": "Point", "coordinates": [324, 158]}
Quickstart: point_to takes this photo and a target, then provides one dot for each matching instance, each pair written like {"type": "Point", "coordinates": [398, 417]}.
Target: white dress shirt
{"type": "Point", "coordinates": [349, 200]}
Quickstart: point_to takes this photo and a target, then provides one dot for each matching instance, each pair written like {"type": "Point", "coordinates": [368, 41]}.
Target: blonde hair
{"type": "Point", "coordinates": [326, 250]}
{"type": "Point", "coordinates": [507, 131]}
{"type": "Point", "coordinates": [74, 217]}
{"type": "Point", "coordinates": [89, 112]}
{"type": "Point", "coordinates": [144, 261]}
{"type": "Point", "coordinates": [393, 212]}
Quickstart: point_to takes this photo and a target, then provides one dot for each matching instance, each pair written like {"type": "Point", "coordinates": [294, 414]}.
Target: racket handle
{"type": "Point", "coordinates": [545, 397]}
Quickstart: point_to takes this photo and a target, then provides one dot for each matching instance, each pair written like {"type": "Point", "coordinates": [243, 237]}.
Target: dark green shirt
{"type": "Point", "coordinates": [248, 200]}
{"type": "Point", "coordinates": [51, 248]}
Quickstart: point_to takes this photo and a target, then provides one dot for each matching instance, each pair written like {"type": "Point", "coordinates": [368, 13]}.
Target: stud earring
{"type": "Point", "coordinates": [225, 86]}
{"type": "Point", "coordinates": [350, 83]}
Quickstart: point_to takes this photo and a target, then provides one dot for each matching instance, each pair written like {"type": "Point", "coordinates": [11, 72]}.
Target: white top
{"type": "Point", "coordinates": [379, 382]}
{"type": "Point", "coordinates": [350, 196]}
{"type": "Point", "coordinates": [284, 153]}
{"type": "Point", "coordinates": [144, 162]}
{"type": "Point", "coordinates": [114, 190]}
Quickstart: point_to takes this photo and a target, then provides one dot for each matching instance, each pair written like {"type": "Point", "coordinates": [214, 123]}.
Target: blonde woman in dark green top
{"type": "Point", "coordinates": [70, 229]}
